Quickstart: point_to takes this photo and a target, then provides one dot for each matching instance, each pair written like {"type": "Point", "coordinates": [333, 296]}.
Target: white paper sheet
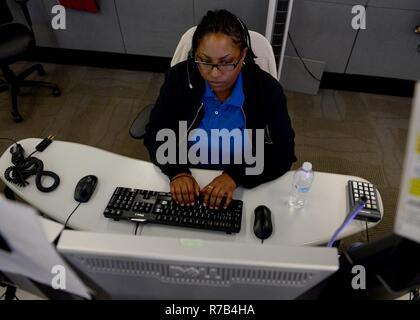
{"type": "Point", "coordinates": [408, 213]}
{"type": "Point", "coordinates": [51, 228]}
{"type": "Point", "coordinates": [32, 255]}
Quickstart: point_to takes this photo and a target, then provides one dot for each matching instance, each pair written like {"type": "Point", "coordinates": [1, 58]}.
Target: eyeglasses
{"type": "Point", "coordinates": [222, 67]}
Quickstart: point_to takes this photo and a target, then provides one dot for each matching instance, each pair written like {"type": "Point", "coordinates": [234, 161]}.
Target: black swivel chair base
{"type": "Point", "coordinates": [15, 82]}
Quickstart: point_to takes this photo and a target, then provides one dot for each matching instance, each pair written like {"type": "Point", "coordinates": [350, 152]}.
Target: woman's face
{"type": "Point", "coordinates": [218, 48]}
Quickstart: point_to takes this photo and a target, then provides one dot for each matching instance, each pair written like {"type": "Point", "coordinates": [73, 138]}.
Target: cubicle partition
{"type": "Point", "coordinates": [146, 27]}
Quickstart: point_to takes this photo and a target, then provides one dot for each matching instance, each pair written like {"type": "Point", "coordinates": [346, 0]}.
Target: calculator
{"type": "Point", "coordinates": [371, 210]}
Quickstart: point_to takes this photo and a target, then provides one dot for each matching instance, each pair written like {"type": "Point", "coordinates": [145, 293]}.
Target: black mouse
{"type": "Point", "coordinates": [262, 223]}
{"type": "Point", "coordinates": [85, 188]}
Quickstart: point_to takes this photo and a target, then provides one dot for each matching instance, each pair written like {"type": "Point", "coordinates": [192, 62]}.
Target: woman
{"type": "Point", "coordinates": [221, 87]}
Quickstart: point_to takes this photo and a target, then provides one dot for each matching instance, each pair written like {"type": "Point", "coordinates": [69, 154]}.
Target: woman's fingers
{"type": "Point", "coordinates": [184, 190]}
{"type": "Point", "coordinates": [185, 194]}
{"type": "Point", "coordinates": [196, 189]}
{"type": "Point", "coordinates": [229, 196]}
{"type": "Point", "coordinates": [219, 198]}
{"type": "Point", "coordinates": [177, 195]}
{"type": "Point", "coordinates": [216, 194]}
{"type": "Point", "coordinates": [207, 193]}
{"type": "Point", "coordinates": [191, 193]}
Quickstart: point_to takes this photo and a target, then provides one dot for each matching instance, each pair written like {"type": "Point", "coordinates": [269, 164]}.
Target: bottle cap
{"type": "Point", "coordinates": [307, 166]}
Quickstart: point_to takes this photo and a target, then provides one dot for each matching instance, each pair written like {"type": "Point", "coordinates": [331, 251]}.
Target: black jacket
{"type": "Point", "coordinates": [265, 108]}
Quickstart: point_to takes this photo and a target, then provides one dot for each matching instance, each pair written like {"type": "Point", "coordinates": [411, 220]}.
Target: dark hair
{"type": "Point", "coordinates": [223, 21]}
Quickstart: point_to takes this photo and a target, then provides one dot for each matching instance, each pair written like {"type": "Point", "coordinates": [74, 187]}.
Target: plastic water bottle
{"type": "Point", "coordinates": [302, 181]}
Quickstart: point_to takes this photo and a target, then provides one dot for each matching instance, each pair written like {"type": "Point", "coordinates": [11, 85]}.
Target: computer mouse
{"type": "Point", "coordinates": [262, 222]}
{"type": "Point", "coordinates": [85, 188]}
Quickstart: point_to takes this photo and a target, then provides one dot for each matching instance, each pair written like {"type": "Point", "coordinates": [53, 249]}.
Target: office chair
{"type": "Point", "coordinates": [16, 39]}
{"type": "Point", "coordinates": [260, 45]}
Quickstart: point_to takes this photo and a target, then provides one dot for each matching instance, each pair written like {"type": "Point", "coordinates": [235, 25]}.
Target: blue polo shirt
{"type": "Point", "coordinates": [222, 115]}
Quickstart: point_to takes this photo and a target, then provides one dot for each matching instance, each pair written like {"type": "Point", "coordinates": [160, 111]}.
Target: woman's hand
{"type": "Point", "coordinates": [221, 187]}
{"type": "Point", "coordinates": [184, 189]}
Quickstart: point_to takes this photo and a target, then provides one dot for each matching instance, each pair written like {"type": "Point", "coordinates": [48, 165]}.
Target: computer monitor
{"type": "Point", "coordinates": [407, 223]}
{"type": "Point", "coordinates": [145, 267]}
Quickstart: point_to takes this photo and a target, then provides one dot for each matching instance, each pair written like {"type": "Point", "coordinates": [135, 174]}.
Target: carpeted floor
{"type": "Point", "coordinates": [356, 134]}
{"type": "Point", "coordinates": [341, 132]}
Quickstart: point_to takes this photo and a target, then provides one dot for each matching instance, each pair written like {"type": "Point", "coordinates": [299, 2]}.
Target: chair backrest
{"type": "Point", "coordinates": [260, 45]}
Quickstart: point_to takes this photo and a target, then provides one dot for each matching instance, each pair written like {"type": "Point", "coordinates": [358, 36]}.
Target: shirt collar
{"type": "Point", "coordinates": [236, 98]}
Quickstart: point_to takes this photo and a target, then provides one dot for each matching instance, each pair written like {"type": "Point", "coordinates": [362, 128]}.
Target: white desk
{"type": "Point", "coordinates": [326, 207]}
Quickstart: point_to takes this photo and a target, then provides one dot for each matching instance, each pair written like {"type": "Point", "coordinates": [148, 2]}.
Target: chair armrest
{"type": "Point", "coordinates": [138, 127]}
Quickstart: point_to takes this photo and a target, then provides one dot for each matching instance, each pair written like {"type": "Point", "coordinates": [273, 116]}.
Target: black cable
{"type": "Point", "coordinates": [354, 41]}
{"type": "Point", "coordinates": [137, 226]}
{"type": "Point", "coordinates": [16, 297]}
{"type": "Point", "coordinates": [2, 296]}
{"type": "Point", "coordinates": [351, 50]}
{"type": "Point", "coordinates": [367, 231]}
{"type": "Point", "coordinates": [65, 224]}
{"type": "Point", "coordinates": [301, 60]}
{"type": "Point", "coordinates": [25, 167]}
{"type": "Point", "coordinates": [31, 154]}
{"type": "Point", "coordinates": [19, 172]}
{"type": "Point", "coordinates": [74, 210]}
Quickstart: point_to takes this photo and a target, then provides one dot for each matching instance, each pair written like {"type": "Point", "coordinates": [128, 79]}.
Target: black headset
{"type": "Point", "coordinates": [191, 52]}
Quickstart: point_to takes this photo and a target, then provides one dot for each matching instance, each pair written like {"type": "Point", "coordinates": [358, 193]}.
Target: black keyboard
{"type": "Point", "coordinates": [158, 207]}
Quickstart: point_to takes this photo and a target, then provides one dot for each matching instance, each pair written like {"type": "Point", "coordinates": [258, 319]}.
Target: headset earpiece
{"type": "Point", "coordinates": [189, 57]}
{"type": "Point", "coordinates": [190, 54]}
